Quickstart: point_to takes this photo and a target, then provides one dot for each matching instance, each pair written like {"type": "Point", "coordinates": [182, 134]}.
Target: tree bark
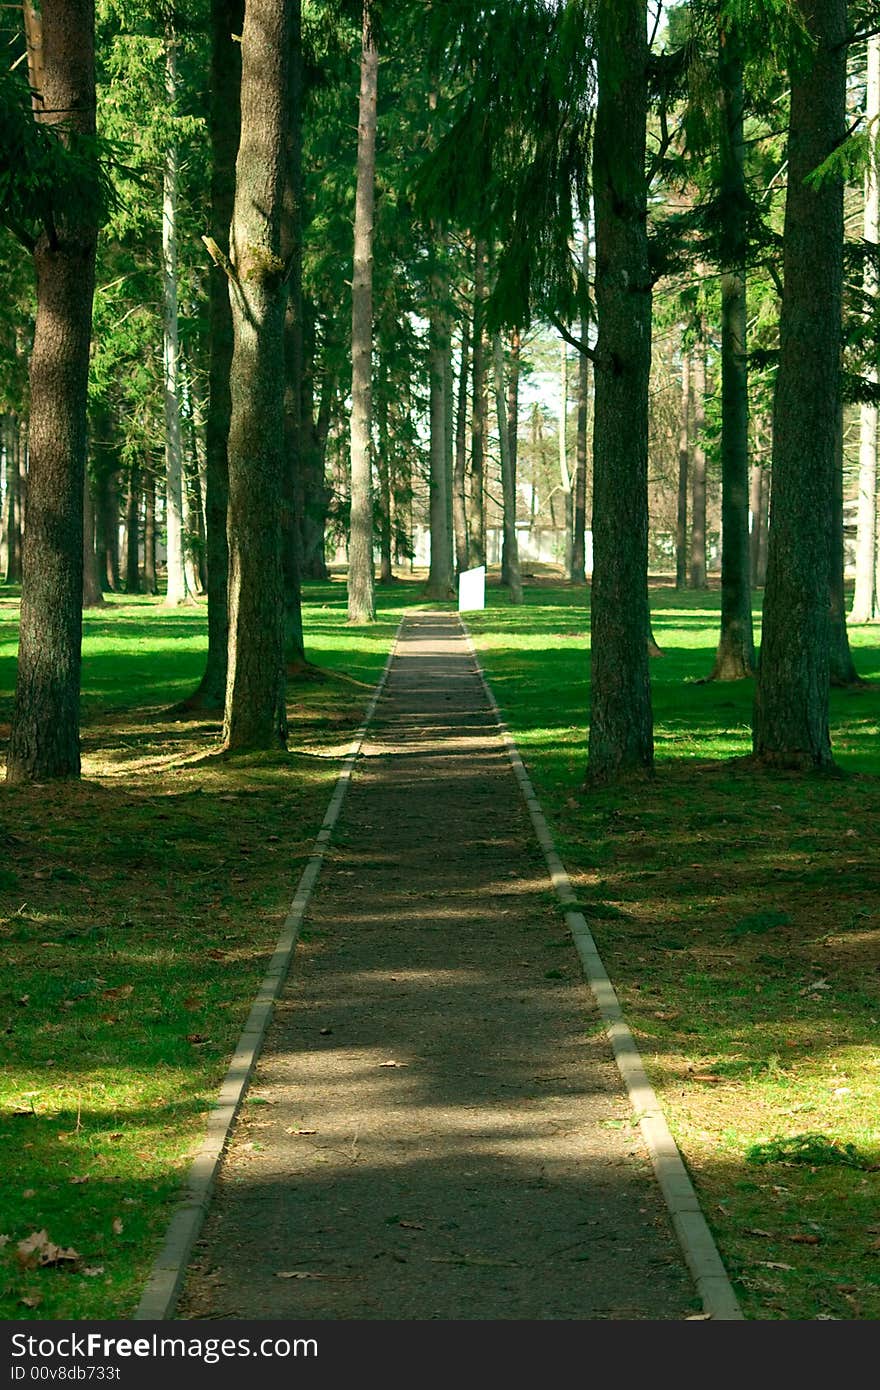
{"type": "Point", "coordinates": [735, 657]}
{"type": "Point", "coordinates": [294, 348]}
{"type": "Point", "coordinates": [93, 594]}
{"type": "Point", "coordinates": [459, 499]}
{"type": "Point", "coordinates": [177, 591]}
{"type": "Point", "coordinates": [476, 506]}
{"type": "Point", "coordinates": [150, 584]}
{"type": "Point", "coordinates": [255, 715]}
{"type": "Point", "coordinates": [866, 596]}
{"type": "Point", "coordinates": [841, 667]}
{"type": "Point", "coordinates": [698, 472]}
{"type": "Point", "coordinates": [512, 436]}
{"type": "Point", "coordinates": [508, 476]}
{"type": "Point", "coordinates": [12, 572]}
{"type": "Point", "coordinates": [132, 530]}
{"type": "Point", "coordinates": [681, 553]}
{"type": "Point", "coordinates": [578, 544]}
{"type": "Point", "coordinates": [44, 741]}
{"type": "Point", "coordinates": [564, 474]}
{"type": "Point", "coordinates": [361, 600]}
{"type": "Point", "coordinates": [440, 584]}
{"type": "Point", "coordinates": [791, 703]}
{"type": "Point", "coordinates": [621, 726]}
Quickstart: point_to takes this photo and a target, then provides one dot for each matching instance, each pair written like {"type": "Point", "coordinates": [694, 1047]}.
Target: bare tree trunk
{"type": "Point", "coordinates": [361, 601]}
{"type": "Point", "coordinates": [735, 657]}
{"type": "Point", "coordinates": [107, 499]}
{"type": "Point", "coordinates": [513, 443]}
{"type": "Point", "coordinates": [764, 533]}
{"type": "Point", "coordinates": [698, 478]}
{"type": "Point", "coordinates": [866, 597]}
{"type": "Point", "coordinates": [227, 18]}
{"type": "Point", "coordinates": [791, 700]}
{"type": "Point", "coordinates": [440, 576]}
{"type": "Point", "coordinates": [681, 552]}
{"type": "Point", "coordinates": [621, 724]}
{"type": "Point", "coordinates": [256, 716]}
{"type": "Point", "coordinates": [150, 583]}
{"type": "Point", "coordinates": [508, 476]}
{"type": "Point", "coordinates": [476, 502]}
{"type": "Point", "coordinates": [842, 671]}
{"type": "Point", "coordinates": [459, 505]}
{"type": "Point", "coordinates": [93, 594]}
{"type": "Point", "coordinates": [578, 545]}
{"type": "Point", "coordinates": [132, 530]}
{"type": "Point", "coordinates": [564, 475]}
{"type": "Point", "coordinates": [294, 350]}
{"type": "Point", "coordinates": [12, 572]}
{"type": "Point", "coordinates": [176, 591]}
{"type": "Point", "coordinates": [44, 742]}
{"type": "Point", "coordinates": [386, 567]}
{"type": "Point", "coordinates": [4, 491]}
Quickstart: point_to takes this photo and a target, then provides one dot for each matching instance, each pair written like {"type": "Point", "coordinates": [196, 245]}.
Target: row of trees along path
{"type": "Point", "coordinates": [447, 1135]}
{"type": "Point", "coordinates": [514, 164]}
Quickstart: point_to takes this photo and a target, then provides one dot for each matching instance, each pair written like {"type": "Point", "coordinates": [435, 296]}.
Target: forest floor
{"type": "Point", "coordinates": [738, 916]}
{"type": "Point", "coordinates": [437, 1126]}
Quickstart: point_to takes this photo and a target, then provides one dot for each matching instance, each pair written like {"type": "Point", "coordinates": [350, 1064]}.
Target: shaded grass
{"type": "Point", "coordinates": [137, 912]}
{"type": "Point", "coordinates": [738, 914]}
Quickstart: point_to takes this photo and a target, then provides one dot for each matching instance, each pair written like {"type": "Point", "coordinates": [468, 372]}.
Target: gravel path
{"type": "Point", "coordinates": [436, 1128]}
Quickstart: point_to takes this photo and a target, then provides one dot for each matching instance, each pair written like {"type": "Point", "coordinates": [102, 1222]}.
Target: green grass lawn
{"type": "Point", "coordinates": [738, 914]}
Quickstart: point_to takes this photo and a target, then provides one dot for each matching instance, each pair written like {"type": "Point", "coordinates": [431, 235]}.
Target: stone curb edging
{"type": "Point", "coordinates": [690, 1226]}
{"type": "Point", "coordinates": [165, 1281]}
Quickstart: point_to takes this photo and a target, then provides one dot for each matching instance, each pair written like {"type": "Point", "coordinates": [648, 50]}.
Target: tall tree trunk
{"type": "Point", "coordinates": [684, 452]}
{"type": "Point", "coordinates": [386, 559]}
{"type": "Point", "coordinates": [578, 544]}
{"type": "Point", "coordinates": [449, 460]}
{"type": "Point", "coordinates": [698, 472]}
{"type": "Point", "coordinates": [107, 498]}
{"type": "Point", "coordinates": [764, 533]}
{"type": "Point", "coordinates": [735, 657]}
{"type": "Point", "coordinates": [176, 591]}
{"type": "Point", "coordinates": [621, 725]}
{"type": "Point", "coordinates": [791, 703]}
{"type": "Point", "coordinates": [255, 715]}
{"type": "Point", "coordinates": [150, 584]}
{"type": "Point", "coordinates": [294, 350]}
{"type": "Point", "coordinates": [361, 601]}
{"type": "Point", "coordinates": [508, 476]}
{"type": "Point", "coordinates": [224, 119]}
{"type": "Point", "coordinates": [44, 742]}
{"type": "Point", "coordinates": [755, 512]}
{"type": "Point", "coordinates": [440, 575]}
{"type": "Point", "coordinates": [132, 530]}
{"type": "Point", "coordinates": [841, 668]}
{"type": "Point", "coordinates": [476, 503]}
{"type": "Point", "coordinates": [866, 596]}
{"type": "Point", "coordinates": [4, 490]}
{"type": "Point", "coordinates": [459, 500]}
{"type": "Point", "coordinates": [564, 474]}
{"type": "Point", "coordinates": [513, 449]}
{"type": "Point", "coordinates": [12, 573]}
{"type": "Point", "coordinates": [315, 492]}
{"type": "Point", "coordinates": [93, 594]}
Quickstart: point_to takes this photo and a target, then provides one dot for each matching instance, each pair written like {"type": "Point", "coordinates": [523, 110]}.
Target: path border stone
{"type": "Point", "coordinates": [164, 1283]}
{"type": "Point", "coordinates": [696, 1240]}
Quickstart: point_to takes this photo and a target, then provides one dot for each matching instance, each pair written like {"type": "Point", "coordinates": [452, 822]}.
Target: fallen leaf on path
{"type": "Point", "coordinates": [120, 992]}
{"type": "Point", "coordinates": [773, 1264]}
{"type": "Point", "coordinates": [393, 1064]}
{"type": "Point", "coordinates": [33, 1301]}
{"type": "Point", "coordinates": [801, 1238]}
{"type": "Point", "coordinates": [754, 1231]}
{"type": "Point", "coordinates": [93, 1271]}
{"type": "Point", "coordinates": [299, 1274]}
{"type": "Point", "coordinates": [300, 1131]}
{"type": "Point", "coordinates": [75, 1181]}
{"type": "Point", "coordinates": [706, 1076]}
{"type": "Point", "coordinates": [411, 1225]}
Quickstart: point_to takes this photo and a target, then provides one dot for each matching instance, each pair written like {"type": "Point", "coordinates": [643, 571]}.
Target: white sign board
{"type": "Point", "coordinates": [472, 589]}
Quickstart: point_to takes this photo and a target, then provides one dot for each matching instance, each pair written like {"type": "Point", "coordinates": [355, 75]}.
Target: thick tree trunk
{"type": "Point", "coordinates": [866, 596]}
{"type": "Point", "coordinates": [512, 435]}
{"type": "Point", "coordinates": [107, 497]}
{"type": "Point", "coordinates": [44, 742]}
{"type": "Point", "coordinates": [12, 572]}
{"type": "Point", "coordinates": [621, 728]}
{"type": "Point", "coordinates": [255, 715]}
{"type": "Point", "coordinates": [791, 704]}
{"type": "Point", "coordinates": [459, 496]}
{"type": "Point", "coordinates": [440, 576]}
{"type": "Point", "coordinates": [735, 657]}
{"type": "Point", "coordinates": [93, 594]}
{"type": "Point", "coordinates": [698, 471]}
{"type": "Point", "coordinates": [508, 476]}
{"type": "Point", "coordinates": [176, 591]}
{"type": "Point", "coordinates": [361, 601]}
{"type": "Point", "coordinates": [476, 502]}
{"type": "Point", "coordinates": [684, 455]}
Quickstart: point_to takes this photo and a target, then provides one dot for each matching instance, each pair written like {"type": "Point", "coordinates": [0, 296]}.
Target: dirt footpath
{"type": "Point", "coordinates": [436, 1128]}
